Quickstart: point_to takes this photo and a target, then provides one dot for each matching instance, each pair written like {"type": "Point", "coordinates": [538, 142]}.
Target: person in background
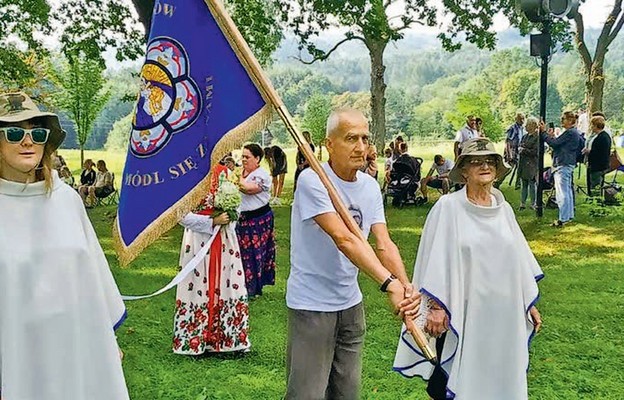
{"type": "Point", "coordinates": [479, 126]}
{"type": "Point", "coordinates": [565, 150]}
{"type": "Point", "coordinates": [255, 229]}
{"type": "Point", "coordinates": [469, 131]}
{"type": "Point", "coordinates": [512, 141]}
{"type": "Point", "coordinates": [583, 122]}
{"type": "Point", "coordinates": [302, 162]}
{"type": "Point", "coordinates": [66, 176]}
{"type": "Point", "coordinates": [59, 304]}
{"type": "Point", "coordinates": [527, 163]}
{"type": "Point", "coordinates": [387, 166]}
{"type": "Point", "coordinates": [396, 152]}
{"type": "Point", "coordinates": [102, 187]}
{"type": "Point", "coordinates": [58, 162]}
{"type": "Point", "coordinates": [597, 150]}
{"type": "Point", "coordinates": [370, 164]}
{"type": "Point", "coordinates": [441, 181]}
{"type": "Point", "coordinates": [87, 176]}
{"type": "Point", "coordinates": [279, 168]}
{"type": "Point", "coordinates": [229, 162]}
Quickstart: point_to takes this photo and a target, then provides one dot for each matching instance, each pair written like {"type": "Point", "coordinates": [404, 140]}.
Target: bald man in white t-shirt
{"type": "Point", "coordinates": [326, 323]}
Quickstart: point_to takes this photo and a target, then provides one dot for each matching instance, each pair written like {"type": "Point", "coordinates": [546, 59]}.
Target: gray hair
{"type": "Point", "coordinates": [333, 121]}
{"type": "Point", "coordinates": [532, 121]}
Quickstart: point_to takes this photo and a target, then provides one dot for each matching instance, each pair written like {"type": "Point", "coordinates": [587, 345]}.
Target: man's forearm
{"type": "Point", "coordinates": [362, 255]}
{"type": "Point", "coordinates": [390, 257]}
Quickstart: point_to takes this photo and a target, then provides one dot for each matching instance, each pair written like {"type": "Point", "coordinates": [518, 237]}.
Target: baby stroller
{"type": "Point", "coordinates": [548, 185]}
{"type": "Point", "coordinates": [404, 181]}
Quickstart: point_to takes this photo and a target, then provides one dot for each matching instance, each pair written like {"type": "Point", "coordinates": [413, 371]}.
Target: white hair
{"type": "Point", "coordinates": [333, 121]}
{"type": "Point", "coordinates": [532, 121]}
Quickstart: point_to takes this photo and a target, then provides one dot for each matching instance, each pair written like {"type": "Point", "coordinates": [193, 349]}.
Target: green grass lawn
{"type": "Point", "coordinates": [578, 355]}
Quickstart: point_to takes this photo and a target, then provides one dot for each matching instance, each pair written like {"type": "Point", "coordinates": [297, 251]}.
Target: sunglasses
{"type": "Point", "coordinates": [478, 162]}
{"type": "Point", "coordinates": [15, 135]}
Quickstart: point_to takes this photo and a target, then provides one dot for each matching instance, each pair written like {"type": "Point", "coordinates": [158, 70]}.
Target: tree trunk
{"type": "Point", "coordinates": [595, 88]}
{"type": "Point", "coordinates": [378, 92]}
{"type": "Point", "coordinates": [81, 155]}
{"type": "Point", "coordinates": [144, 10]}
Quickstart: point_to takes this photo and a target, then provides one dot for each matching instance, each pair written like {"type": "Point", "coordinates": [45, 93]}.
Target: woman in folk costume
{"type": "Point", "coordinates": [478, 278]}
{"type": "Point", "coordinates": [255, 227]}
{"type": "Point", "coordinates": [59, 305]}
{"type": "Point", "coordinates": [211, 302]}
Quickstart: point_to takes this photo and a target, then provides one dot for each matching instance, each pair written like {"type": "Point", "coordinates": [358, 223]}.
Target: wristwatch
{"type": "Point", "coordinates": [384, 286]}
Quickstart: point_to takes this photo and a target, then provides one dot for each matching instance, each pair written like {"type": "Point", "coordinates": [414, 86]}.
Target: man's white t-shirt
{"type": "Point", "coordinates": [466, 133]}
{"type": "Point", "coordinates": [444, 168]}
{"type": "Point", "coordinates": [583, 123]}
{"type": "Point", "coordinates": [321, 277]}
{"type": "Point", "coordinates": [252, 202]}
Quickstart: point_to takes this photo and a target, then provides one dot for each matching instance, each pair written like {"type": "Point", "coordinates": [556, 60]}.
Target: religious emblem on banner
{"type": "Point", "coordinates": [169, 100]}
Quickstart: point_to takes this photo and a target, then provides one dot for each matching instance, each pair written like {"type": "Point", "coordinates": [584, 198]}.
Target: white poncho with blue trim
{"type": "Point", "coordinates": [58, 301]}
{"type": "Point", "coordinates": [476, 262]}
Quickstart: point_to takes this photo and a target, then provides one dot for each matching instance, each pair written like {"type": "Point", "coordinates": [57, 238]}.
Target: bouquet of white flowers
{"type": "Point", "coordinates": [227, 199]}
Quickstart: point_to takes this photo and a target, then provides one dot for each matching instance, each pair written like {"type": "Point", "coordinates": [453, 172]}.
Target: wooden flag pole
{"type": "Point", "coordinates": [266, 86]}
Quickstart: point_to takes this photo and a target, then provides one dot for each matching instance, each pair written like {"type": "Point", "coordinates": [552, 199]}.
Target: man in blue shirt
{"type": "Point", "coordinates": [565, 149]}
{"type": "Point", "coordinates": [512, 142]}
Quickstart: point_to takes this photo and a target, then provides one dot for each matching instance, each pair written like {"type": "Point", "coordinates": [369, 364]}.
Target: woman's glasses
{"type": "Point", "coordinates": [14, 134]}
{"type": "Point", "coordinates": [478, 162]}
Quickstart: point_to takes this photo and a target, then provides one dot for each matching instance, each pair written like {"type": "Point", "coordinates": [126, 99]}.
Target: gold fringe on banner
{"type": "Point", "coordinates": [230, 141]}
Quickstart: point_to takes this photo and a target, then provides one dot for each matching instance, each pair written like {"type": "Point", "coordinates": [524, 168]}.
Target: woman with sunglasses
{"type": "Point", "coordinates": [478, 279]}
{"type": "Point", "coordinates": [59, 304]}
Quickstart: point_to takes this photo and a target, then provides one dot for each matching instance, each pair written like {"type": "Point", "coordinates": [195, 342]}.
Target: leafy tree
{"type": "Point", "coordinates": [427, 119]}
{"type": "Point", "coordinates": [19, 20]}
{"type": "Point", "coordinates": [513, 92]}
{"type": "Point", "coordinates": [399, 105]}
{"type": "Point", "coordinates": [476, 104]}
{"type": "Point", "coordinates": [256, 19]}
{"type": "Point", "coordinates": [372, 23]}
{"type": "Point", "coordinates": [296, 86]}
{"type": "Point", "coordinates": [570, 83]}
{"type": "Point", "coordinates": [119, 135]}
{"type": "Point", "coordinates": [358, 100]}
{"type": "Point", "coordinates": [317, 110]}
{"type": "Point", "coordinates": [82, 94]}
{"type": "Point", "coordinates": [554, 105]}
{"type": "Point", "coordinates": [90, 27]}
{"type": "Point", "coordinates": [593, 65]}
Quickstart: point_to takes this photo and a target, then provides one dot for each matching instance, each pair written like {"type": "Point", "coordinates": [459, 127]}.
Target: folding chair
{"type": "Point", "coordinates": [111, 199]}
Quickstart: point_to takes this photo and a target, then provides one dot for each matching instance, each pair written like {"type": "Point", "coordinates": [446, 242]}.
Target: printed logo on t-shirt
{"type": "Point", "coordinates": [356, 213]}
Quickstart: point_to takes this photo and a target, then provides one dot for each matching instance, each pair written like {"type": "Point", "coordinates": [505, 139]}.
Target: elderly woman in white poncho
{"type": "Point", "coordinates": [478, 278]}
{"type": "Point", "coordinates": [59, 304]}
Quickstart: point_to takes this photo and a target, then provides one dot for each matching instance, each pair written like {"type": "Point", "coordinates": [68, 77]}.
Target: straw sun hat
{"type": "Point", "coordinates": [478, 147]}
{"type": "Point", "coordinates": [18, 107]}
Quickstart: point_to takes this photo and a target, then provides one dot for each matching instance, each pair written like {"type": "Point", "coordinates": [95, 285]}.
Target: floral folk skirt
{"type": "Point", "coordinates": [211, 313]}
{"type": "Point", "coordinates": [256, 238]}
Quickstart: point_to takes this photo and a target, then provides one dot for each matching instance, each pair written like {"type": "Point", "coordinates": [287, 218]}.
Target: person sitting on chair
{"type": "Point", "coordinates": [102, 187]}
{"type": "Point", "coordinates": [597, 150]}
{"type": "Point", "coordinates": [441, 181]}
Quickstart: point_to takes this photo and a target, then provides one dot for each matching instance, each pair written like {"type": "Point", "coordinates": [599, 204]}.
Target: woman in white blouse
{"type": "Point", "coordinates": [255, 226]}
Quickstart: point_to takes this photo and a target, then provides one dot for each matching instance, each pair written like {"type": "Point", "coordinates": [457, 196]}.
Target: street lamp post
{"type": "Point", "coordinates": [542, 11]}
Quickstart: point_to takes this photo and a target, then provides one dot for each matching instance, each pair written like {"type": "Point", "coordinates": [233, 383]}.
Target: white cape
{"type": "Point", "coordinates": [59, 303]}
{"type": "Point", "coordinates": [476, 262]}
